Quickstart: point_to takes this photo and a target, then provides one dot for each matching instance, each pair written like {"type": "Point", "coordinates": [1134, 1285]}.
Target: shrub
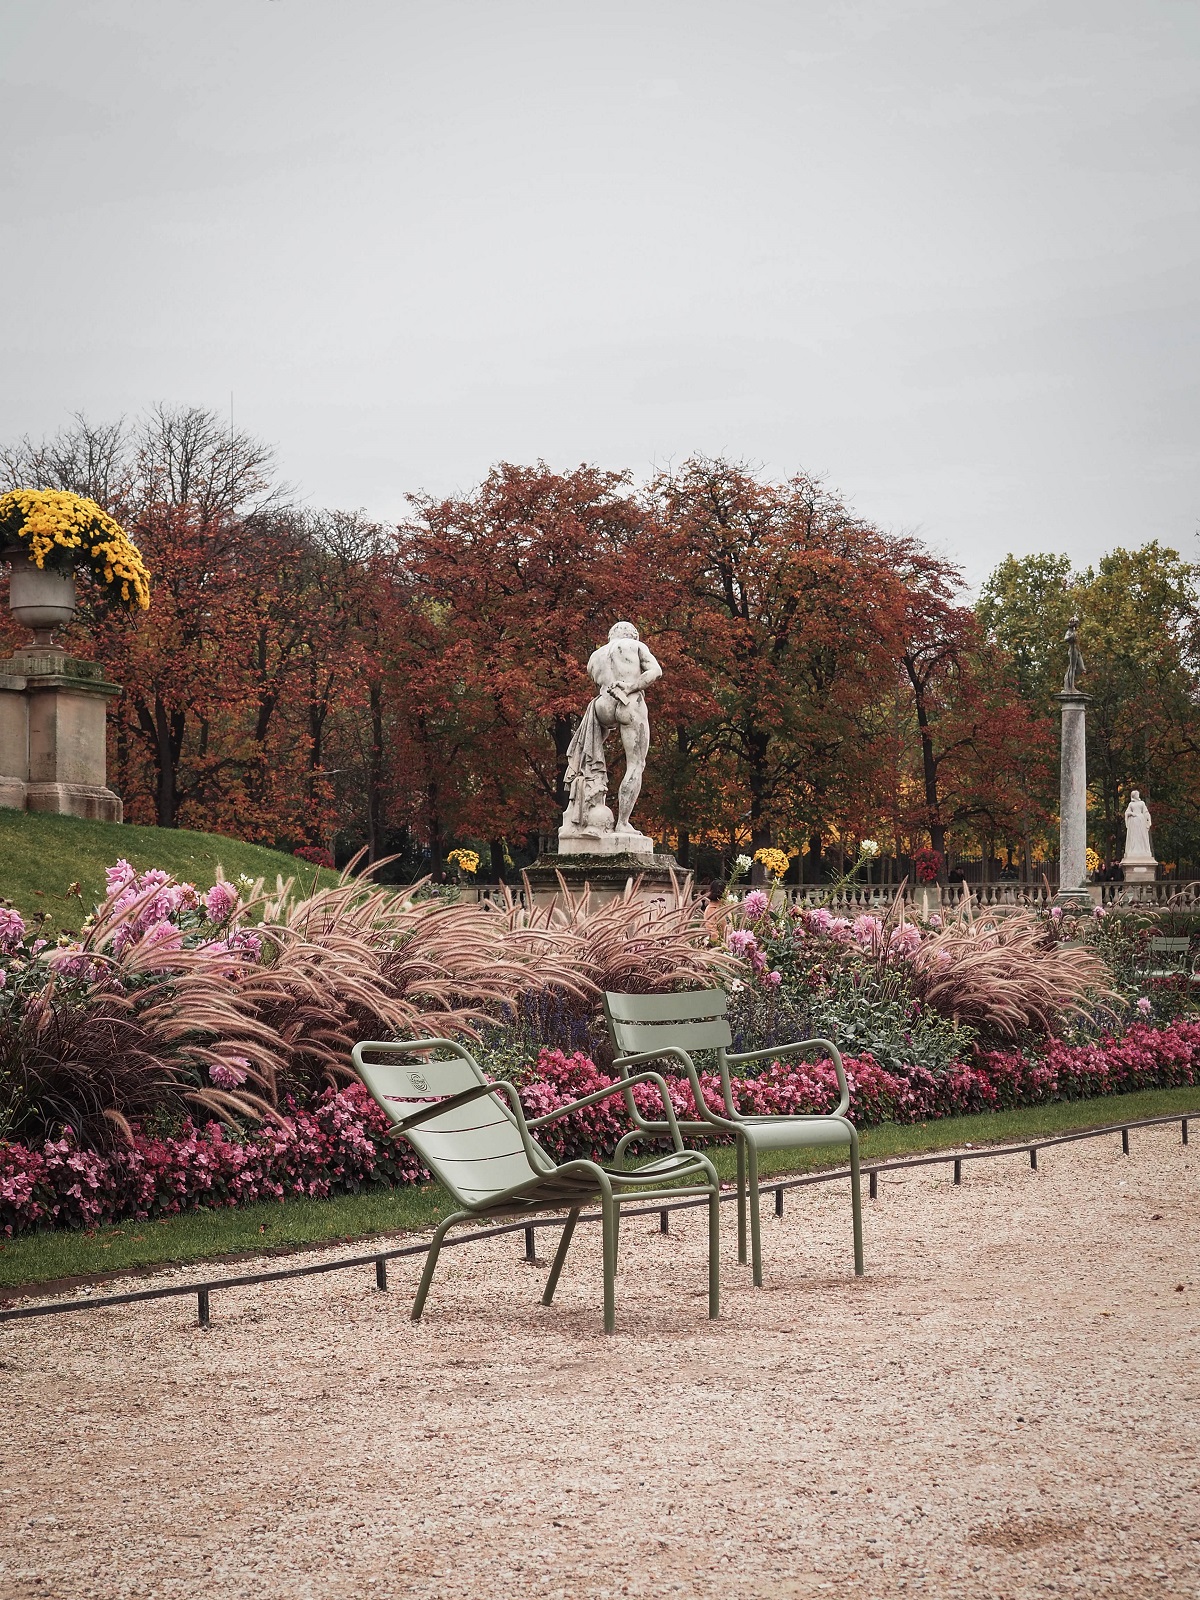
{"type": "Point", "coordinates": [339, 1143]}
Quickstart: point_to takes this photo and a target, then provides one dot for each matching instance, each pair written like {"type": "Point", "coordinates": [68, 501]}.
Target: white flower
{"type": "Point", "coordinates": [743, 863]}
{"type": "Point", "coordinates": [868, 848]}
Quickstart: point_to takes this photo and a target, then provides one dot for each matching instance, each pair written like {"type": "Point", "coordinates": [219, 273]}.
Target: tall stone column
{"type": "Point", "coordinates": [1072, 806]}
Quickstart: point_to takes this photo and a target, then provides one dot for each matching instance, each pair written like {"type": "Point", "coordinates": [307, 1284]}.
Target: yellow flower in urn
{"type": "Point", "coordinates": [772, 861]}
{"type": "Point", "coordinates": [59, 531]}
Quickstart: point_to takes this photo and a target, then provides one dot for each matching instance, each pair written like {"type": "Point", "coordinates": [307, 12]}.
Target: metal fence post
{"type": "Point", "coordinates": [202, 1307]}
{"type": "Point", "coordinates": [381, 1273]}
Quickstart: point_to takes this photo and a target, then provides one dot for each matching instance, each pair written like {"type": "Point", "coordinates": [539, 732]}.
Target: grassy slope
{"type": "Point", "coordinates": [41, 855]}
{"type": "Point", "coordinates": [208, 1235]}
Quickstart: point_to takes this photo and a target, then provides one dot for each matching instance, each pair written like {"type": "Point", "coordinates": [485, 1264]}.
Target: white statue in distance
{"type": "Point", "coordinates": [1137, 834]}
{"type": "Point", "coordinates": [622, 670]}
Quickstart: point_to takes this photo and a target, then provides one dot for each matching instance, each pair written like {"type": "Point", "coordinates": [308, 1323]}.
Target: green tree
{"type": "Point", "coordinates": [1139, 630]}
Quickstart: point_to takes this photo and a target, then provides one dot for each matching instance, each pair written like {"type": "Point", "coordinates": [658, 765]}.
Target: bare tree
{"type": "Point", "coordinates": [83, 458]}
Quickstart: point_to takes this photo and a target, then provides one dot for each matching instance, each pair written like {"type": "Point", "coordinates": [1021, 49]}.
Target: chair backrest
{"type": "Point", "coordinates": [476, 1150]}
{"type": "Point", "coordinates": [1160, 945]}
{"type": "Point", "coordinates": [692, 1021]}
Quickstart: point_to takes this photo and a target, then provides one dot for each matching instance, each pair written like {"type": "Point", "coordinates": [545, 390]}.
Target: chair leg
{"type": "Point", "coordinates": [755, 1218]}
{"type": "Point", "coordinates": [714, 1253]}
{"type": "Point", "coordinates": [741, 1186]}
{"type": "Point", "coordinates": [856, 1205]}
{"type": "Point", "coordinates": [560, 1256]}
{"type": "Point", "coordinates": [608, 1216]}
{"type": "Point", "coordinates": [431, 1261]}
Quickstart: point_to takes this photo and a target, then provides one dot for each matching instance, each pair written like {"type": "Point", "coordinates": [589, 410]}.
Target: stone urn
{"type": "Point", "coordinates": [41, 599]}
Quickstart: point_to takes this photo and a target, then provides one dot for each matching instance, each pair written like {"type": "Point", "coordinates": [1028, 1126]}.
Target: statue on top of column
{"type": "Point", "coordinates": [1075, 666]}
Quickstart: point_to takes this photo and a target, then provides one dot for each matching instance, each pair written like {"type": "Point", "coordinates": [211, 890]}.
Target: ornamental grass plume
{"type": "Point", "coordinates": [1005, 977]}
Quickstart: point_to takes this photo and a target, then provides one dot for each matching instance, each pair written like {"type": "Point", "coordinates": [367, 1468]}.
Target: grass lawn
{"type": "Point", "coordinates": [209, 1235]}
{"type": "Point", "coordinates": [41, 855]}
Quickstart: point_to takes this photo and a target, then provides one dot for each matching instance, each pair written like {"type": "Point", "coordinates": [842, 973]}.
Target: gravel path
{"type": "Point", "coordinates": [1008, 1406]}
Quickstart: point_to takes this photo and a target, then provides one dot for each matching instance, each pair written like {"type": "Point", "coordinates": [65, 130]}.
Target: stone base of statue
{"type": "Point", "coordinates": [52, 735]}
{"type": "Point", "coordinates": [573, 841]}
{"type": "Point", "coordinates": [607, 873]}
{"type": "Point", "coordinates": [1144, 870]}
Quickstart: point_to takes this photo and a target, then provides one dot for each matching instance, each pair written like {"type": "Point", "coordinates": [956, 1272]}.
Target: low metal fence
{"type": "Point", "coordinates": [378, 1259]}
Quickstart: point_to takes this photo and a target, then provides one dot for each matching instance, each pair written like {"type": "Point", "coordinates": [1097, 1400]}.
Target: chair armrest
{"type": "Point", "coordinates": [703, 1110]}
{"type": "Point", "coordinates": [794, 1048]}
{"type": "Point", "coordinates": [625, 1087]}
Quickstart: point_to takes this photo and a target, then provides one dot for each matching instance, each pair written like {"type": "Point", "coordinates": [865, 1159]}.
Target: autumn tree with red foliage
{"type": "Point", "coordinates": [304, 675]}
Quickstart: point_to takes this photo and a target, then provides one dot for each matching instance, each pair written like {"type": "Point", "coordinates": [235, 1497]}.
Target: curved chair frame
{"type": "Point", "coordinates": [660, 1027]}
{"type": "Point", "coordinates": [478, 1161]}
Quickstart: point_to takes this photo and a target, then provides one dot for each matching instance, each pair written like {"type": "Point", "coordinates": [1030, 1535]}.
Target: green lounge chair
{"type": "Point", "coordinates": [473, 1135]}
{"type": "Point", "coordinates": [658, 1027]}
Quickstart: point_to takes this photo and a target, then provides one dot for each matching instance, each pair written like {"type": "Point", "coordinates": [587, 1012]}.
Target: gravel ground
{"type": "Point", "coordinates": [1008, 1406]}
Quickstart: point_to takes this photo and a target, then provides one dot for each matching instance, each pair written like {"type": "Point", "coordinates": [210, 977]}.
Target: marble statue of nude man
{"type": "Point", "coordinates": [622, 670]}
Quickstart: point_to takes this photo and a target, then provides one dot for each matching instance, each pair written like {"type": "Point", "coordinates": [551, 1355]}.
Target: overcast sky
{"type": "Point", "coordinates": [944, 255]}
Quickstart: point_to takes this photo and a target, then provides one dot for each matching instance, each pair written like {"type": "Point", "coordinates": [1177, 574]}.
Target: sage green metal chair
{"type": "Point", "coordinates": [474, 1137]}
{"type": "Point", "coordinates": [1167, 957]}
{"type": "Point", "coordinates": [661, 1027]}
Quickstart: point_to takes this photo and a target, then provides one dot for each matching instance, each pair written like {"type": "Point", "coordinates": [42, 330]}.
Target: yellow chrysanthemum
{"type": "Point", "coordinates": [46, 521]}
{"type": "Point", "coordinates": [774, 861]}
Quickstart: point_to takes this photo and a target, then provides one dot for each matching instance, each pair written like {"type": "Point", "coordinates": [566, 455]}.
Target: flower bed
{"type": "Point", "coordinates": [338, 1144]}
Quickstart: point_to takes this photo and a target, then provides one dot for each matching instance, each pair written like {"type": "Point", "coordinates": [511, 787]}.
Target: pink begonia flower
{"type": "Point", "coordinates": [1055, 913]}
{"type": "Point", "coordinates": [935, 921]}
{"type": "Point", "coordinates": [755, 903]}
{"type": "Point", "coordinates": [1143, 1006]}
{"type": "Point", "coordinates": [741, 941]}
{"type": "Point", "coordinates": [12, 928]}
{"type": "Point", "coordinates": [39, 944]}
{"type": "Point", "coordinates": [164, 933]}
{"type": "Point", "coordinates": [819, 919]}
{"type": "Point", "coordinates": [867, 929]}
{"type": "Point", "coordinates": [3, 977]}
{"type": "Point", "coordinates": [774, 979]}
{"type": "Point", "coordinates": [839, 928]}
{"type": "Point", "coordinates": [1100, 911]}
{"type": "Point", "coordinates": [221, 901]}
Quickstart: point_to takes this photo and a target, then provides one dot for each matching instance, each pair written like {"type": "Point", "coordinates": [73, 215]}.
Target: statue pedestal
{"type": "Point", "coordinates": [52, 736]}
{"type": "Point", "coordinates": [592, 842]}
{"type": "Point", "coordinates": [605, 873]}
{"type": "Point", "coordinates": [1140, 871]}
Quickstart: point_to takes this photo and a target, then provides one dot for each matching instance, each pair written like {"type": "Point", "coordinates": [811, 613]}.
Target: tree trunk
{"type": "Point", "coordinates": [564, 730]}
{"type": "Point", "coordinates": [814, 858]}
{"type": "Point", "coordinates": [375, 776]}
{"type": "Point", "coordinates": [164, 733]}
{"type": "Point", "coordinates": [685, 848]}
{"type": "Point", "coordinates": [497, 849]}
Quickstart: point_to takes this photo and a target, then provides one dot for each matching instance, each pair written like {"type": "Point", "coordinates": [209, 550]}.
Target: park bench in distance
{"type": "Point", "coordinates": [474, 1137]}
{"type": "Point", "coordinates": [660, 1027]}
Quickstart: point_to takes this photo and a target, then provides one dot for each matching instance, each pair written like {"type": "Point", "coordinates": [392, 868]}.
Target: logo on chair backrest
{"type": "Point", "coordinates": [418, 1080]}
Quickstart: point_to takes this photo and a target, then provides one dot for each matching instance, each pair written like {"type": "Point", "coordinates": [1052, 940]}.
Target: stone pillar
{"type": "Point", "coordinates": [52, 738]}
{"type": "Point", "coordinates": [1072, 809]}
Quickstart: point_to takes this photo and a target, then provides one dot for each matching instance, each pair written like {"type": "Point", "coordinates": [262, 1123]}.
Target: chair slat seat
{"type": "Point", "coordinates": [668, 1007]}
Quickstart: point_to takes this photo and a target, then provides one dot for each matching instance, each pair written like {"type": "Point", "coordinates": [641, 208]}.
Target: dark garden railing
{"type": "Point", "coordinates": [379, 1259]}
